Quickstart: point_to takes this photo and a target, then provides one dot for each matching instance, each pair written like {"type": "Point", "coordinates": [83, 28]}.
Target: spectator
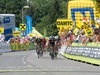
{"type": "Point", "coordinates": [2, 37]}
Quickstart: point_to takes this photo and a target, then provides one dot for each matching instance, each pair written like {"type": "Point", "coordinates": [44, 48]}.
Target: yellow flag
{"type": "Point", "coordinates": [76, 31]}
{"type": "Point", "coordinates": [1, 30]}
{"type": "Point", "coordinates": [88, 31]}
{"type": "Point", "coordinates": [79, 25]}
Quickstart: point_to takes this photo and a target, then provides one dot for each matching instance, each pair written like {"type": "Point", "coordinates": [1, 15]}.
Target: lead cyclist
{"type": "Point", "coordinates": [53, 48]}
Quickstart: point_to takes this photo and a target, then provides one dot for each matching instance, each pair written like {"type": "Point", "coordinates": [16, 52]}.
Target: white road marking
{"type": "Point", "coordinates": [23, 60]}
{"type": "Point", "coordinates": [29, 66]}
{"type": "Point", "coordinates": [35, 70]}
{"type": "Point", "coordinates": [58, 67]}
{"type": "Point", "coordinates": [14, 67]}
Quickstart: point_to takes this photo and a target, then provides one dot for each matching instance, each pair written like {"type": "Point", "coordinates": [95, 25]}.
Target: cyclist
{"type": "Point", "coordinates": [57, 45]}
{"type": "Point", "coordinates": [38, 43]}
{"type": "Point", "coordinates": [52, 47]}
{"type": "Point", "coordinates": [43, 44]}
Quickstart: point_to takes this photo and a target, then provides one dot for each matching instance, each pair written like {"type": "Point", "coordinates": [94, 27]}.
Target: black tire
{"type": "Point", "coordinates": [38, 56]}
{"type": "Point", "coordinates": [40, 53]}
{"type": "Point", "coordinates": [52, 55]}
{"type": "Point", "coordinates": [56, 55]}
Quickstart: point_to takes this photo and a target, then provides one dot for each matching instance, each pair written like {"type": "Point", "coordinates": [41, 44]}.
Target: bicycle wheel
{"type": "Point", "coordinates": [40, 52]}
{"type": "Point", "coordinates": [52, 53]}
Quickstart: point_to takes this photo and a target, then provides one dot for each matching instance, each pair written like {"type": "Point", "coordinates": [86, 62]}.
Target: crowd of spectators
{"type": "Point", "coordinates": [70, 37]}
{"type": "Point", "coordinates": [19, 40]}
{"type": "Point", "coordinates": [15, 39]}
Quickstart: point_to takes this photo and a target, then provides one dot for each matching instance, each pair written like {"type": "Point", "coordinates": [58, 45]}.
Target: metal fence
{"type": "Point", "coordinates": [4, 47]}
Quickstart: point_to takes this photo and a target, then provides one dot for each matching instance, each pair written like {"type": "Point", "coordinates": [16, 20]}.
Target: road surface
{"type": "Point", "coordinates": [27, 63]}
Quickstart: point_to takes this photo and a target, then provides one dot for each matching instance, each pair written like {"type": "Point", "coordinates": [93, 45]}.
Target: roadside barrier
{"type": "Point", "coordinates": [92, 52]}
{"type": "Point", "coordinates": [7, 47]}
{"type": "Point", "coordinates": [4, 47]}
{"type": "Point", "coordinates": [22, 47]}
{"type": "Point", "coordinates": [89, 53]}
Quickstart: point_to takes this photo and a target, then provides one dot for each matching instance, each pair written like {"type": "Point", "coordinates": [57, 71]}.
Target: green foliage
{"type": "Point", "coordinates": [46, 12]}
{"type": "Point", "coordinates": [52, 29]}
{"type": "Point", "coordinates": [97, 1]}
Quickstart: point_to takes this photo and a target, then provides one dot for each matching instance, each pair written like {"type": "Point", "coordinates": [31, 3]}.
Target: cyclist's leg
{"type": "Point", "coordinates": [44, 48]}
{"type": "Point", "coordinates": [36, 48]}
{"type": "Point", "coordinates": [55, 51]}
{"type": "Point", "coordinates": [41, 49]}
{"type": "Point", "coordinates": [52, 52]}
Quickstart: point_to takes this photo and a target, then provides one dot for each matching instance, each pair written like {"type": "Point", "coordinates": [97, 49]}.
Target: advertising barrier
{"type": "Point", "coordinates": [92, 52]}
{"type": "Point", "coordinates": [86, 54]}
{"type": "Point", "coordinates": [7, 47]}
{"type": "Point", "coordinates": [22, 47]}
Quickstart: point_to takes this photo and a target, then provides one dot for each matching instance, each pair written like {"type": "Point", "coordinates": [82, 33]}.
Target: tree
{"type": "Point", "coordinates": [45, 14]}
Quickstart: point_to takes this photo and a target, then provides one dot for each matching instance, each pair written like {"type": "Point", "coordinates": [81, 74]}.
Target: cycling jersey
{"type": "Point", "coordinates": [52, 42]}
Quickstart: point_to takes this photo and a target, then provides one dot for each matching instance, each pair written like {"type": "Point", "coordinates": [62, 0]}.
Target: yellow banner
{"type": "Point", "coordinates": [16, 33]}
{"type": "Point", "coordinates": [64, 22]}
{"type": "Point", "coordinates": [1, 30]}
